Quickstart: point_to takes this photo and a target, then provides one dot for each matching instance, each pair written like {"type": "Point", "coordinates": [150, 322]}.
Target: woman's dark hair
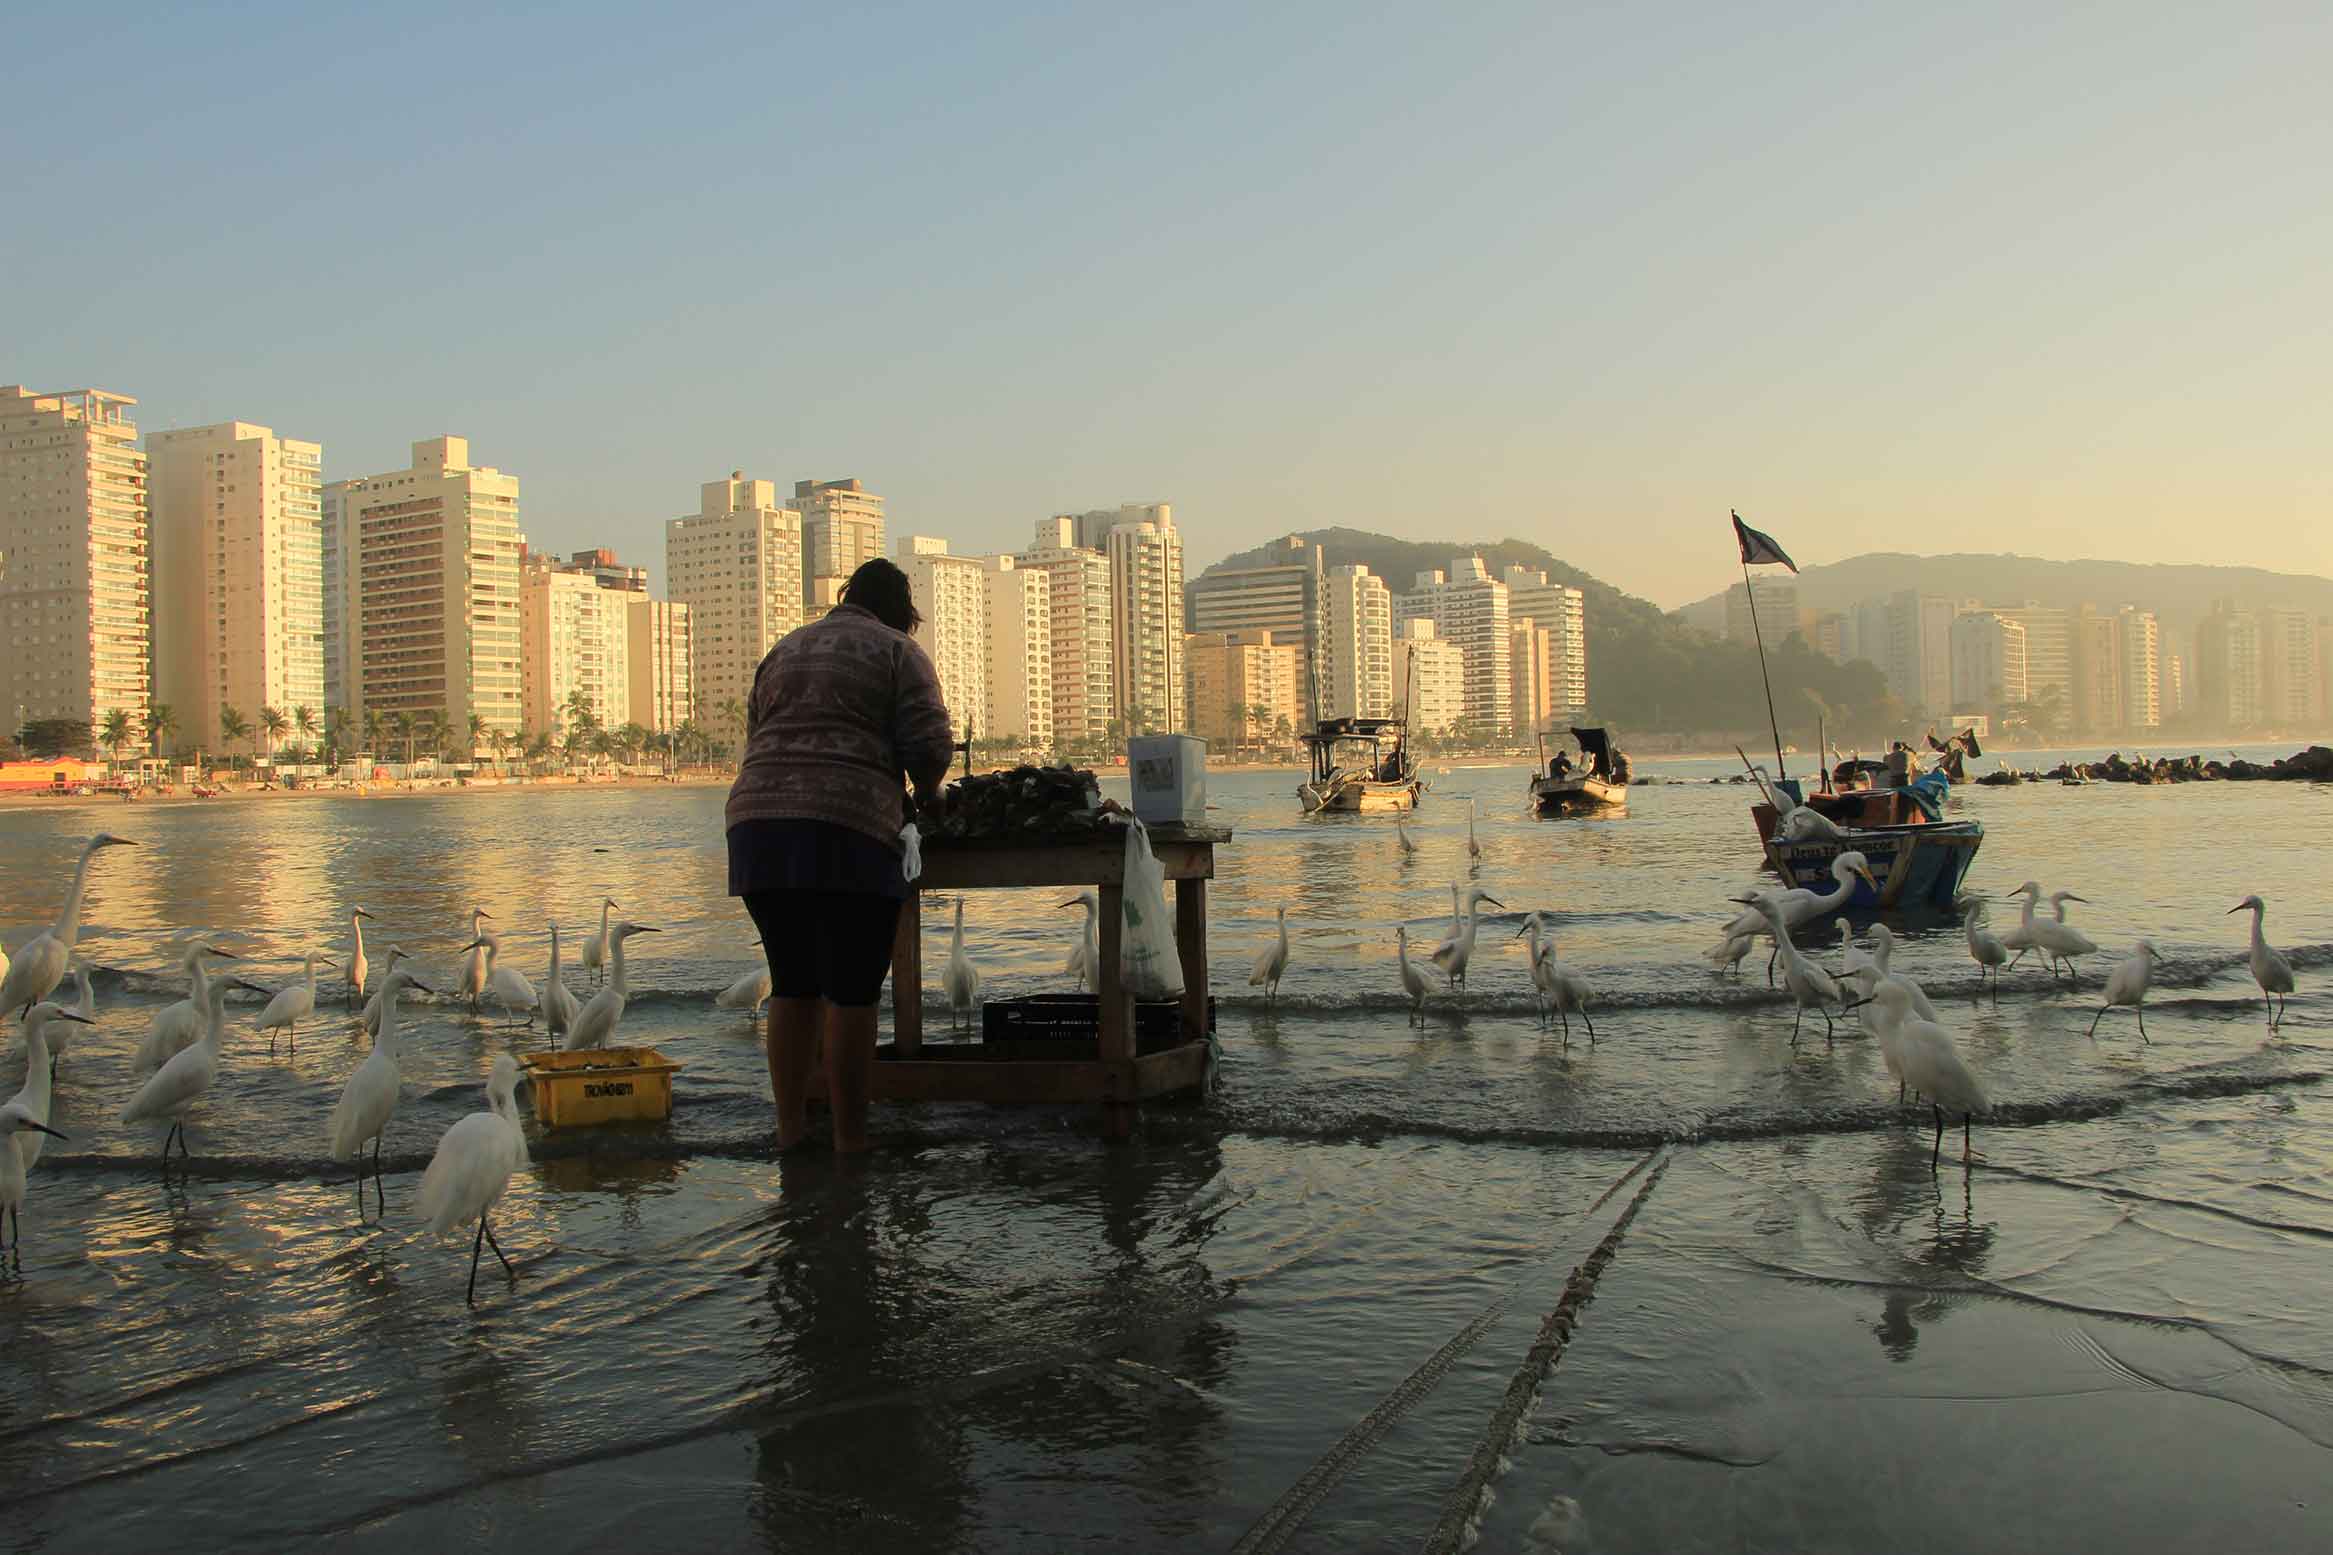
{"type": "Point", "coordinates": [880, 589]}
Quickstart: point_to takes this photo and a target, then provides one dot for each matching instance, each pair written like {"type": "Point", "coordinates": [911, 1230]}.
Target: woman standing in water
{"type": "Point", "coordinates": [841, 711]}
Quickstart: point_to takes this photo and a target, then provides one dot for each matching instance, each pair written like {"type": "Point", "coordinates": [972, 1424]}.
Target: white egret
{"type": "Point", "coordinates": [83, 1009]}
{"type": "Point", "coordinates": [39, 1062]}
{"type": "Point", "coordinates": [1401, 833]}
{"type": "Point", "coordinates": [176, 1027]}
{"type": "Point", "coordinates": [1985, 947]}
{"type": "Point", "coordinates": [1561, 987]}
{"type": "Point", "coordinates": [1865, 980]}
{"type": "Point", "coordinates": [2127, 984]}
{"type": "Point", "coordinates": [1272, 964]}
{"type": "Point", "coordinates": [360, 969]}
{"type": "Point", "coordinates": [370, 1019]}
{"type": "Point", "coordinates": [1801, 905]}
{"type": "Point", "coordinates": [1728, 954]}
{"type": "Point", "coordinates": [41, 964]}
{"type": "Point", "coordinates": [1085, 957]}
{"type": "Point", "coordinates": [472, 1167]}
{"type": "Point", "coordinates": [1450, 957]}
{"type": "Point", "coordinates": [2021, 938]}
{"type": "Point", "coordinates": [559, 1006]}
{"type": "Point", "coordinates": [2269, 969]}
{"type": "Point", "coordinates": [189, 1075]}
{"type": "Point", "coordinates": [961, 981]}
{"type": "Point", "coordinates": [17, 1128]}
{"type": "Point", "coordinates": [1473, 848]}
{"type": "Point", "coordinates": [1811, 988]}
{"type": "Point", "coordinates": [1932, 1065]}
{"type": "Point", "coordinates": [505, 985]}
{"type": "Point", "coordinates": [2060, 938]}
{"type": "Point", "coordinates": [752, 991]}
{"type": "Point", "coordinates": [1413, 982]}
{"type": "Point", "coordinates": [596, 1022]}
{"type": "Point", "coordinates": [1883, 949]}
{"type": "Point", "coordinates": [295, 1003]}
{"type": "Point", "coordinates": [369, 1098]}
{"type": "Point", "coordinates": [595, 947]}
{"type": "Point", "coordinates": [473, 984]}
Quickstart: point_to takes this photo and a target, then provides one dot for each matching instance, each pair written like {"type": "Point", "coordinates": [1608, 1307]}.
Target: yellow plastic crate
{"type": "Point", "coordinates": [600, 1085]}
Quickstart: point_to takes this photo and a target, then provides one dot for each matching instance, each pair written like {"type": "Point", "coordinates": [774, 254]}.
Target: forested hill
{"type": "Point", "coordinates": [1646, 670]}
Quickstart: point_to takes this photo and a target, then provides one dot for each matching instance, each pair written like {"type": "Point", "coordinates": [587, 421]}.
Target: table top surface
{"type": "Point", "coordinates": [1110, 837]}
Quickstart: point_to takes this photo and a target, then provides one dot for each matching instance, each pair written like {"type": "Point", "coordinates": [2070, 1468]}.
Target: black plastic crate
{"type": "Point", "coordinates": [1077, 1017]}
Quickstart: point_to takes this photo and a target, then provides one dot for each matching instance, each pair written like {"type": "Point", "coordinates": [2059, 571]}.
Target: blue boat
{"type": "Point", "coordinates": [1917, 862]}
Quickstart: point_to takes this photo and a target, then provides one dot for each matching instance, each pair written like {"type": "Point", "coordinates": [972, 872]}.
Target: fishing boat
{"type": "Point", "coordinates": [1598, 785]}
{"type": "Point", "coordinates": [1918, 858]}
{"type": "Point", "coordinates": [1360, 766]}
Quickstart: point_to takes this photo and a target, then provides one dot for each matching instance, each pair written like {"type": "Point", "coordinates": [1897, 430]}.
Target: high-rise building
{"type": "Point", "coordinates": [1146, 609]}
{"type": "Point", "coordinates": [237, 526]}
{"type": "Point", "coordinates": [575, 648]}
{"type": "Point", "coordinates": [1019, 653]}
{"type": "Point", "coordinates": [1777, 598]}
{"type": "Point", "coordinates": [1091, 530]}
{"type": "Point", "coordinates": [2097, 668]}
{"type": "Point", "coordinates": [1563, 613]}
{"type": "Point", "coordinates": [1988, 663]}
{"type": "Point", "coordinates": [429, 590]}
{"type": "Point", "coordinates": [737, 564]}
{"type": "Point", "coordinates": [2049, 658]}
{"type": "Point", "coordinates": [608, 572]}
{"type": "Point", "coordinates": [1469, 609]}
{"type": "Point", "coordinates": [952, 597]}
{"type": "Point", "coordinates": [1826, 633]}
{"type": "Point", "coordinates": [1907, 635]}
{"type": "Point", "coordinates": [842, 528]}
{"type": "Point", "coordinates": [1077, 589]}
{"type": "Point", "coordinates": [1357, 652]}
{"type": "Point", "coordinates": [1429, 677]}
{"type": "Point", "coordinates": [1243, 686]}
{"type": "Point", "coordinates": [2291, 692]}
{"type": "Point", "coordinates": [338, 567]}
{"type": "Point", "coordinates": [2228, 678]}
{"type": "Point", "coordinates": [1282, 596]}
{"type": "Point", "coordinates": [2140, 640]}
{"type": "Point", "coordinates": [656, 645]}
{"type": "Point", "coordinates": [2178, 699]}
{"type": "Point", "coordinates": [75, 632]}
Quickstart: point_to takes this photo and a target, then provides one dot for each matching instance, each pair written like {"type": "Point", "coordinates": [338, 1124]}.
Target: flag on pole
{"type": "Point", "coordinates": [1758, 547]}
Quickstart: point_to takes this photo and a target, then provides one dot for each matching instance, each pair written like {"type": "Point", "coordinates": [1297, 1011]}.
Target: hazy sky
{"type": "Point", "coordinates": [2044, 278]}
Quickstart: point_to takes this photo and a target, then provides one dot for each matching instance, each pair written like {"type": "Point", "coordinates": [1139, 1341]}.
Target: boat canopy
{"type": "Point", "coordinates": [1596, 745]}
{"type": "Point", "coordinates": [1331, 730]}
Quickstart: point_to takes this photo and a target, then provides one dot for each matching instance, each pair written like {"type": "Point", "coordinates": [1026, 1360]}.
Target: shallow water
{"type": "Point", "coordinates": [1004, 1333]}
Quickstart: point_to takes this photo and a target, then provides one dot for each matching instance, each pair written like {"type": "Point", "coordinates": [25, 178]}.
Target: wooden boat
{"type": "Point", "coordinates": [1360, 766]}
{"type": "Point", "coordinates": [1597, 786]}
{"type": "Point", "coordinates": [1918, 862]}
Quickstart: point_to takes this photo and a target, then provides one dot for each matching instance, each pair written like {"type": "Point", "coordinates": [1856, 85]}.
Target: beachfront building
{"type": "Point", "coordinates": [1777, 602]}
{"type": "Point", "coordinates": [951, 595]}
{"type": "Point", "coordinates": [1988, 663]}
{"type": "Point", "coordinates": [736, 563]}
{"type": "Point", "coordinates": [1470, 610]}
{"type": "Point", "coordinates": [2049, 658]}
{"type": "Point", "coordinates": [2097, 670]}
{"type": "Point", "coordinates": [1429, 677]}
{"type": "Point", "coordinates": [1562, 613]}
{"type": "Point", "coordinates": [1907, 635]}
{"type": "Point", "coordinates": [1356, 676]}
{"type": "Point", "coordinates": [1244, 687]}
{"type": "Point", "coordinates": [2227, 668]}
{"type": "Point", "coordinates": [2176, 698]}
{"type": "Point", "coordinates": [1077, 592]}
{"type": "Point", "coordinates": [236, 521]}
{"type": "Point", "coordinates": [2291, 683]}
{"type": "Point", "coordinates": [657, 663]}
{"type": "Point", "coordinates": [75, 633]}
{"type": "Point", "coordinates": [428, 576]}
{"type": "Point", "coordinates": [607, 572]}
{"type": "Point", "coordinates": [2139, 642]}
{"type": "Point", "coordinates": [1146, 608]}
{"type": "Point", "coordinates": [842, 527]}
{"type": "Point", "coordinates": [574, 654]}
{"type": "Point", "coordinates": [1283, 595]}
{"type": "Point", "coordinates": [1018, 653]}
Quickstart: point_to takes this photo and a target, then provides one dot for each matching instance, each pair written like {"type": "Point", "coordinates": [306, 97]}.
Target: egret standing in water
{"type": "Point", "coordinates": [559, 1006]}
{"type": "Point", "coordinates": [1728, 954]}
{"type": "Point", "coordinates": [2021, 938]}
{"type": "Point", "coordinates": [2061, 939]}
{"type": "Point", "coordinates": [506, 985]}
{"type": "Point", "coordinates": [748, 993]}
{"type": "Point", "coordinates": [2127, 984]}
{"type": "Point", "coordinates": [359, 969]}
{"type": "Point", "coordinates": [370, 1098]}
{"type": "Point", "coordinates": [1473, 848]}
{"type": "Point", "coordinates": [1272, 964]}
{"type": "Point", "coordinates": [1984, 946]}
{"type": "Point", "coordinates": [1811, 988]}
{"type": "Point", "coordinates": [1800, 905]}
{"type": "Point", "coordinates": [1413, 982]}
{"type": "Point", "coordinates": [1450, 957]}
{"type": "Point", "coordinates": [371, 1018]}
{"type": "Point", "coordinates": [16, 1127]}
{"type": "Point", "coordinates": [82, 1012]}
{"type": "Point", "coordinates": [39, 1069]}
{"type": "Point", "coordinates": [1085, 957]}
{"type": "Point", "coordinates": [1883, 951]}
{"type": "Point", "coordinates": [296, 1003]}
{"type": "Point", "coordinates": [2270, 970]}
{"type": "Point", "coordinates": [41, 965]}
{"type": "Point", "coordinates": [176, 1027]}
{"type": "Point", "coordinates": [1562, 989]}
{"type": "Point", "coordinates": [472, 1167]}
{"type": "Point", "coordinates": [596, 1022]}
{"type": "Point", "coordinates": [1401, 833]}
{"type": "Point", "coordinates": [1932, 1065]}
{"type": "Point", "coordinates": [189, 1075]}
{"type": "Point", "coordinates": [595, 948]}
{"type": "Point", "coordinates": [961, 980]}
{"type": "Point", "coordinates": [473, 984]}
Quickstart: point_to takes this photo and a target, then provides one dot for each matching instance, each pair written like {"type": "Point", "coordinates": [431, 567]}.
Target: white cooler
{"type": "Point", "coordinates": [1168, 773]}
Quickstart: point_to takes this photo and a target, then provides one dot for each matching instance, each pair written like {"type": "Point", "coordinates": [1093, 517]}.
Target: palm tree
{"type": "Point", "coordinates": [335, 730]}
{"type": "Point", "coordinates": [233, 726]}
{"type": "Point", "coordinates": [732, 713]}
{"type": "Point", "coordinates": [274, 725]}
{"type": "Point", "coordinates": [478, 733]}
{"type": "Point", "coordinates": [304, 720]}
{"type": "Point", "coordinates": [500, 741]}
{"type": "Point", "coordinates": [376, 729]}
{"type": "Point", "coordinates": [430, 729]}
{"type": "Point", "coordinates": [118, 730]}
{"type": "Point", "coordinates": [401, 725]}
{"type": "Point", "coordinates": [161, 723]}
{"type": "Point", "coordinates": [539, 751]}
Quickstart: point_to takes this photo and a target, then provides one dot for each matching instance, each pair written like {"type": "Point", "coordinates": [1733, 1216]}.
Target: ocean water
{"type": "Point", "coordinates": [1300, 1315]}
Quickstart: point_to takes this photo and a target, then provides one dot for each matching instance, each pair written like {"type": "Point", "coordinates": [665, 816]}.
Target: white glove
{"type": "Point", "coordinates": [911, 861]}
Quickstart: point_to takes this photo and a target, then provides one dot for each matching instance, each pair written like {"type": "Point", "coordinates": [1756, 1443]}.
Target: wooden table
{"type": "Point", "coordinates": [1117, 1076]}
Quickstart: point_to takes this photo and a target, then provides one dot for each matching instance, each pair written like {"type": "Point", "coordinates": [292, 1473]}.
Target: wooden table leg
{"type": "Point", "coordinates": [1117, 1017]}
{"type": "Point", "coordinates": [907, 977]}
{"type": "Point", "coordinates": [1191, 942]}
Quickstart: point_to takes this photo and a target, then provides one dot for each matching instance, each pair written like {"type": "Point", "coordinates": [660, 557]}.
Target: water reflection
{"type": "Point", "coordinates": [1931, 1221]}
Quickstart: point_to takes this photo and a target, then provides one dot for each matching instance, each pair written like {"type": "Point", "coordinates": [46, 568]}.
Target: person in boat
{"type": "Point", "coordinates": [1899, 764]}
{"type": "Point", "coordinates": [1560, 767]}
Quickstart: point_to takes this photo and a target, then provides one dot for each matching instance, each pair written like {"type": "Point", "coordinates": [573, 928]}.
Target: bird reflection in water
{"type": "Point", "coordinates": [1940, 1245]}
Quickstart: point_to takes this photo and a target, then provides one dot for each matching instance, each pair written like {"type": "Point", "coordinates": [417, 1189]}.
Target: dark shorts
{"type": "Point", "coordinates": [831, 945]}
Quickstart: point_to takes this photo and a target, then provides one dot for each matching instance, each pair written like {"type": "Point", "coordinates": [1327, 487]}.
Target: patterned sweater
{"type": "Point", "coordinates": [841, 710]}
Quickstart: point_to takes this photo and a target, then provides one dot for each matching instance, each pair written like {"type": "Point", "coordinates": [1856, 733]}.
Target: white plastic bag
{"type": "Point", "coordinates": [1149, 963]}
{"type": "Point", "coordinates": [911, 855]}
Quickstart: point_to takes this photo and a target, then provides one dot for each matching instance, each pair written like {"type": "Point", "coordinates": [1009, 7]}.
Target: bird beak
{"type": "Point", "coordinates": [757, 942]}
{"type": "Point", "coordinates": [361, 913]}
{"type": "Point", "coordinates": [1495, 902]}
{"type": "Point", "coordinates": [476, 944]}
{"type": "Point", "coordinates": [1868, 878]}
{"type": "Point", "coordinates": [1072, 902]}
{"type": "Point", "coordinates": [2239, 909]}
{"type": "Point", "coordinates": [74, 1016]}
{"type": "Point", "coordinates": [328, 961]}
{"type": "Point", "coordinates": [42, 1128]}
{"type": "Point", "coordinates": [1853, 1004]}
{"type": "Point", "coordinates": [420, 986]}
{"type": "Point", "coordinates": [242, 982]}
{"type": "Point", "coordinates": [2071, 897]}
{"type": "Point", "coordinates": [642, 928]}
{"type": "Point", "coordinates": [115, 842]}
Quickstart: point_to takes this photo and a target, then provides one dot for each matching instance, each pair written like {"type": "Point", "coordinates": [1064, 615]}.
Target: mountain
{"type": "Point", "coordinates": [1647, 670]}
{"type": "Point", "coordinates": [2180, 595]}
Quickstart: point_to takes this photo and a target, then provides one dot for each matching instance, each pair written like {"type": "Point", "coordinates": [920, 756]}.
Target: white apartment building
{"type": "Point", "coordinates": [1562, 612]}
{"type": "Point", "coordinates": [1908, 636]}
{"type": "Point", "coordinates": [237, 526]}
{"type": "Point", "coordinates": [2049, 654]}
{"type": "Point", "coordinates": [75, 632]}
{"type": "Point", "coordinates": [1091, 530]}
{"type": "Point", "coordinates": [1777, 599]}
{"type": "Point", "coordinates": [1283, 596]}
{"type": "Point", "coordinates": [1469, 608]}
{"type": "Point", "coordinates": [1077, 589]}
{"type": "Point", "coordinates": [842, 527]}
{"type": "Point", "coordinates": [575, 642]}
{"type": "Point", "coordinates": [2228, 670]}
{"type": "Point", "coordinates": [656, 643]}
{"type": "Point", "coordinates": [2139, 639]}
{"type": "Point", "coordinates": [1356, 678]}
{"type": "Point", "coordinates": [1429, 677]}
{"type": "Point", "coordinates": [1019, 653]}
{"type": "Point", "coordinates": [2291, 670]}
{"type": "Point", "coordinates": [428, 581]}
{"type": "Point", "coordinates": [2176, 686]}
{"type": "Point", "coordinates": [1988, 662]}
{"type": "Point", "coordinates": [952, 596]}
{"type": "Point", "coordinates": [1146, 608]}
{"type": "Point", "coordinates": [736, 563]}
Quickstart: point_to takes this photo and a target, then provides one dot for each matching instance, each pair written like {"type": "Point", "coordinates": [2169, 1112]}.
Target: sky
{"type": "Point", "coordinates": [2048, 279]}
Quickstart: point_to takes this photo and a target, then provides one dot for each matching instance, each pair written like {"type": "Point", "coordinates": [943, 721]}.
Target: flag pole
{"type": "Point", "coordinates": [1750, 598]}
